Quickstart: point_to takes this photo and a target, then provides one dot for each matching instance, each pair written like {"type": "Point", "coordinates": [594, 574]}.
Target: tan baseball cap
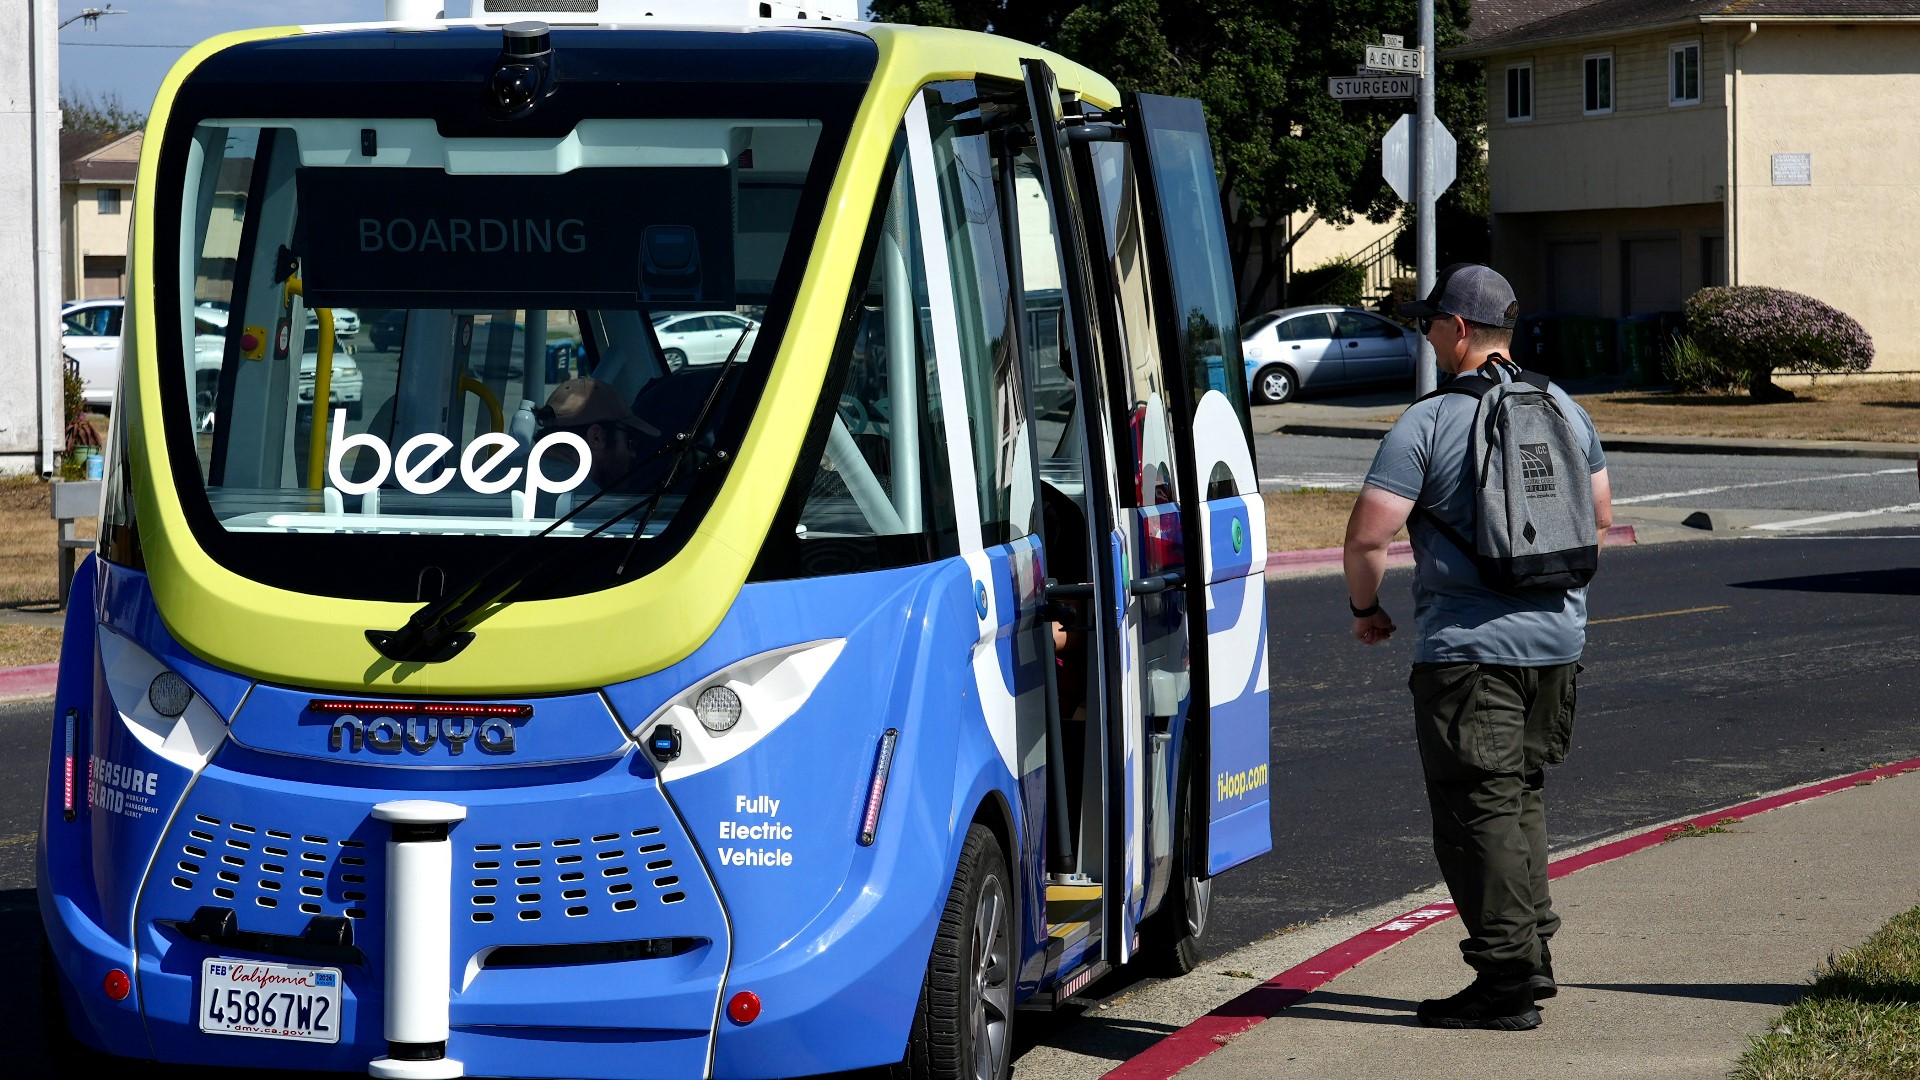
{"type": "Point", "coordinates": [579, 402]}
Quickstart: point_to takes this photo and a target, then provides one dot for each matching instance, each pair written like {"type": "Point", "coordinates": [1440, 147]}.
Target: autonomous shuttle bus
{"type": "Point", "coordinates": [817, 702]}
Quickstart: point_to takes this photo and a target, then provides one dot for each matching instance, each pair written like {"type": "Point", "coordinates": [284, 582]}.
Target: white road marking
{"type": "Point", "coordinates": [1907, 508]}
{"type": "Point", "coordinates": [1756, 484]}
{"type": "Point", "coordinates": [1333, 481]}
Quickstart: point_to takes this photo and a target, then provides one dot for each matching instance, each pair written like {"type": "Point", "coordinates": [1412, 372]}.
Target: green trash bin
{"type": "Point", "coordinates": [1602, 359]}
{"type": "Point", "coordinates": [1536, 344]}
{"type": "Point", "coordinates": [1639, 348]}
{"type": "Point", "coordinates": [1571, 338]}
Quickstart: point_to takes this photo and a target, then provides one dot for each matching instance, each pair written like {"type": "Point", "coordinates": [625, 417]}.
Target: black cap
{"type": "Point", "coordinates": [1474, 292]}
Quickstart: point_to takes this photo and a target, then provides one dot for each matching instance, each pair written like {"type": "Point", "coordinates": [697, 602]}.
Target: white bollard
{"type": "Point", "coordinates": [419, 939]}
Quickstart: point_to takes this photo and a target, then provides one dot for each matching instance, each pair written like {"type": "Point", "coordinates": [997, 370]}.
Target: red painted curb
{"type": "Point", "coordinates": [35, 681]}
{"type": "Point", "coordinates": [1216, 1029]}
{"type": "Point", "coordinates": [1399, 553]}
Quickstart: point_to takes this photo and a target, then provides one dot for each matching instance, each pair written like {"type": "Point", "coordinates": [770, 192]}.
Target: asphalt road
{"type": "Point", "coordinates": [1715, 670]}
{"type": "Point", "coordinates": [1690, 481]}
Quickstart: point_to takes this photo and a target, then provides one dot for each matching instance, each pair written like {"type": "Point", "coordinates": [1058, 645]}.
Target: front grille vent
{"type": "Point", "coordinates": [241, 863]}
{"type": "Point", "coordinates": [569, 877]}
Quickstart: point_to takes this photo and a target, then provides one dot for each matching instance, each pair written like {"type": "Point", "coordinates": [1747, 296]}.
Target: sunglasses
{"type": "Point", "coordinates": [1426, 321]}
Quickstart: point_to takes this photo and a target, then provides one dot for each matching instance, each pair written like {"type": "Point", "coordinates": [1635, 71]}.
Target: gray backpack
{"type": "Point", "coordinates": [1533, 497]}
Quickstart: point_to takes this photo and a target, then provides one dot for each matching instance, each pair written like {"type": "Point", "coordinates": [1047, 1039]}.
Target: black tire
{"type": "Point", "coordinates": [353, 411]}
{"type": "Point", "coordinates": [1275, 384]}
{"type": "Point", "coordinates": [1172, 937]}
{"type": "Point", "coordinates": [675, 358]}
{"type": "Point", "coordinates": [963, 1027]}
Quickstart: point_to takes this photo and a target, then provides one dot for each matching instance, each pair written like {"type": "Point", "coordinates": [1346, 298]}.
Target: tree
{"type": "Point", "coordinates": [1281, 144]}
{"type": "Point", "coordinates": [104, 115]}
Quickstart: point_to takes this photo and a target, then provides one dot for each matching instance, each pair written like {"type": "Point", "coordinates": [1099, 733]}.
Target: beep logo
{"type": "Point", "coordinates": [418, 468]}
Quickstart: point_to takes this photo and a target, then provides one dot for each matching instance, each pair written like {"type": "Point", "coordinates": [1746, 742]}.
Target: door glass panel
{"type": "Point", "coordinates": [983, 299]}
{"type": "Point", "coordinates": [1187, 197]}
{"type": "Point", "coordinates": [1123, 246]}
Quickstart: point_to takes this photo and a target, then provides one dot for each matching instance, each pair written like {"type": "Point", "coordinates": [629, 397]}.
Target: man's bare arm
{"type": "Point", "coordinates": [1602, 506]}
{"type": "Point", "coordinates": [1378, 515]}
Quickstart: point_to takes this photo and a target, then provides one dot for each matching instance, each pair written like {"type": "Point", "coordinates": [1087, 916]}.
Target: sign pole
{"type": "Point", "coordinates": [1425, 378]}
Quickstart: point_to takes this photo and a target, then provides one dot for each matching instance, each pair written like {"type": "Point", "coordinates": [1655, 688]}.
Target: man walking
{"type": "Point", "coordinates": [1493, 669]}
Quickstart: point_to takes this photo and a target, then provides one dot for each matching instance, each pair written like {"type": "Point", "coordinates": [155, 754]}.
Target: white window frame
{"type": "Point", "coordinates": [1584, 86]}
{"type": "Point", "coordinates": [1674, 100]}
{"type": "Point", "coordinates": [1526, 116]}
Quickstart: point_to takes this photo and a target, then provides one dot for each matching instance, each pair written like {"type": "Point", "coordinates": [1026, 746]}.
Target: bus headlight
{"type": "Point", "coordinates": [723, 715]}
{"type": "Point", "coordinates": [169, 694]}
{"type": "Point", "coordinates": [718, 709]}
{"type": "Point", "coordinates": [143, 690]}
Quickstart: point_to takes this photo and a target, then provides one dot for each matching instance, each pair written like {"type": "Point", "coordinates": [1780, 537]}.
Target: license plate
{"type": "Point", "coordinates": [270, 1001]}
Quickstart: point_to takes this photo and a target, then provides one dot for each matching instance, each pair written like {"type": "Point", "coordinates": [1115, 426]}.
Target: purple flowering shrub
{"type": "Point", "coordinates": [1753, 331]}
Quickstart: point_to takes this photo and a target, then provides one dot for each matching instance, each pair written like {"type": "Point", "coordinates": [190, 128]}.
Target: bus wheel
{"type": "Point", "coordinates": [1172, 936]}
{"type": "Point", "coordinates": [963, 1028]}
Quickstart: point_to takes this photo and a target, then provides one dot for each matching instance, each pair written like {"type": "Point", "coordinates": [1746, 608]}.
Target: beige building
{"type": "Point", "coordinates": [96, 198]}
{"type": "Point", "coordinates": [1641, 149]}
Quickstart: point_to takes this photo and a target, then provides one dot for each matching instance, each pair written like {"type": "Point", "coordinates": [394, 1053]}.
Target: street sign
{"type": "Point", "coordinates": [1396, 158]}
{"type": "Point", "coordinates": [1383, 58]}
{"type": "Point", "coordinates": [1393, 41]}
{"type": "Point", "coordinates": [1366, 87]}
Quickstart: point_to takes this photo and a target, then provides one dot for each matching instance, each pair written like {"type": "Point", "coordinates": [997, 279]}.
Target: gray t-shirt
{"type": "Point", "coordinates": [1460, 618]}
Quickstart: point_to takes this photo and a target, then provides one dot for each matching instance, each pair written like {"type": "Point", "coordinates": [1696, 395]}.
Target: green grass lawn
{"type": "Point", "coordinates": [1859, 1021]}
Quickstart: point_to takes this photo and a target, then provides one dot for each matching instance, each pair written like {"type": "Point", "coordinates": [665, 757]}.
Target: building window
{"type": "Point", "coordinates": [1683, 83]}
{"type": "Point", "coordinates": [1599, 84]}
{"type": "Point", "coordinates": [109, 200]}
{"type": "Point", "coordinates": [1519, 92]}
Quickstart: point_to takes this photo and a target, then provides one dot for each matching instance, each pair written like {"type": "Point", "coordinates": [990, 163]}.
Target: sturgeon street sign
{"type": "Point", "coordinates": [1366, 87]}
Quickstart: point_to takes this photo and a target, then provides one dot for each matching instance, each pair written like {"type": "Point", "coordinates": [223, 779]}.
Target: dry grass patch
{"type": "Point", "coordinates": [1882, 411]}
{"type": "Point", "coordinates": [24, 645]}
{"type": "Point", "coordinates": [29, 574]}
{"type": "Point", "coordinates": [1304, 520]}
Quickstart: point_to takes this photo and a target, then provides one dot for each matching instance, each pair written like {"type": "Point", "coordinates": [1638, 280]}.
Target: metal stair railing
{"type": "Point", "coordinates": [1380, 264]}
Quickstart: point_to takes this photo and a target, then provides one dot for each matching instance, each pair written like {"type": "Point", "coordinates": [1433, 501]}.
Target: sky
{"type": "Point", "coordinates": [129, 54]}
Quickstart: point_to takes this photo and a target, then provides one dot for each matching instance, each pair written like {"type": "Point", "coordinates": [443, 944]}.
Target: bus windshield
{"type": "Point", "coordinates": [392, 333]}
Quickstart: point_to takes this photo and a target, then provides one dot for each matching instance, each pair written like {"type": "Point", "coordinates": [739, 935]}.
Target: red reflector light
{"type": "Point", "coordinates": [421, 708]}
{"type": "Point", "coordinates": [744, 1007]}
{"type": "Point", "coordinates": [117, 985]}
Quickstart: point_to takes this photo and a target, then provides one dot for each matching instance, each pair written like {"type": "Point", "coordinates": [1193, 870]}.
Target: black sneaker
{"type": "Point", "coordinates": [1499, 1006]}
{"type": "Point", "coordinates": [1541, 981]}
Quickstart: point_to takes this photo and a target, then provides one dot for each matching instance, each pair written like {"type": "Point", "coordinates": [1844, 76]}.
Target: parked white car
{"type": "Point", "coordinates": [90, 334]}
{"type": "Point", "coordinates": [1314, 348]}
{"type": "Point", "coordinates": [702, 337]}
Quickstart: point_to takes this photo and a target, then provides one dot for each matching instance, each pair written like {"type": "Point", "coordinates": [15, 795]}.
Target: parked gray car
{"type": "Point", "coordinates": [1315, 348]}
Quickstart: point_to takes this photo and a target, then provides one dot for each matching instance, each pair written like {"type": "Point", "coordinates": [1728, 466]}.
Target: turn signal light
{"type": "Point", "coordinates": [744, 1007]}
{"type": "Point", "coordinates": [117, 985]}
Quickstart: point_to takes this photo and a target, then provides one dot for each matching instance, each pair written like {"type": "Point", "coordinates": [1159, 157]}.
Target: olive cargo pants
{"type": "Point", "coordinates": [1486, 733]}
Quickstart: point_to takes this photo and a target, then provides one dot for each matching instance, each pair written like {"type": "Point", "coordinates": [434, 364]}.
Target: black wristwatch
{"type": "Point", "coordinates": [1364, 613]}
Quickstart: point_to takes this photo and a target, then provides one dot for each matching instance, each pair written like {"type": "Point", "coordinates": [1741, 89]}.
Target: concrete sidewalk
{"type": "Point", "coordinates": [1669, 958]}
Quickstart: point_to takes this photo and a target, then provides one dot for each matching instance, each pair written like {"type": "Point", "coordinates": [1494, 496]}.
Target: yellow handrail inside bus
{"type": "Point", "coordinates": [471, 385]}
{"type": "Point", "coordinates": [322, 386]}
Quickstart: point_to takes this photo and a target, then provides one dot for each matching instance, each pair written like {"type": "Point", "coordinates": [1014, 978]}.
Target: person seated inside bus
{"type": "Point", "coordinates": [615, 437]}
{"type": "Point", "coordinates": [1063, 527]}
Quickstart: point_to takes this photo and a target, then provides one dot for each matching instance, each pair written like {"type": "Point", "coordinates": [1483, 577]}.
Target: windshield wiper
{"type": "Point", "coordinates": [434, 633]}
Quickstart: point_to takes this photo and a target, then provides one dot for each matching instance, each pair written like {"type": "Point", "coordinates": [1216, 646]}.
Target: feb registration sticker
{"type": "Point", "coordinates": [270, 1001]}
